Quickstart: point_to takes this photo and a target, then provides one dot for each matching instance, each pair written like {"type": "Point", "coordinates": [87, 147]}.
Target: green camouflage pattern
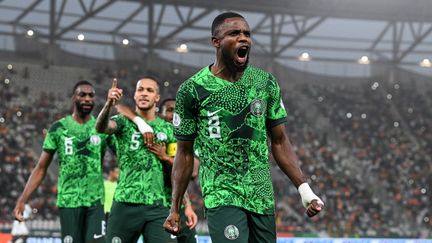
{"type": "Point", "coordinates": [229, 122]}
{"type": "Point", "coordinates": [80, 151]}
{"type": "Point", "coordinates": [141, 177]}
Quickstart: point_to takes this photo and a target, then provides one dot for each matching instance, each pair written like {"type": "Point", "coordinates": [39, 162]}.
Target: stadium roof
{"type": "Point", "coordinates": [332, 32]}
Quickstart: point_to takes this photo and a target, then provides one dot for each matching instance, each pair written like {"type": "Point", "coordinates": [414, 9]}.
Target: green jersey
{"type": "Point", "coordinates": [141, 177]}
{"type": "Point", "coordinates": [228, 122]}
{"type": "Point", "coordinates": [80, 152]}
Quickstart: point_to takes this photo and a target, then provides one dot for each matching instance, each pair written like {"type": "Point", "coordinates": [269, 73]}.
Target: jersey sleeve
{"type": "Point", "coordinates": [276, 113]}
{"type": "Point", "coordinates": [50, 144]}
{"type": "Point", "coordinates": [185, 114]}
{"type": "Point", "coordinates": [119, 120]}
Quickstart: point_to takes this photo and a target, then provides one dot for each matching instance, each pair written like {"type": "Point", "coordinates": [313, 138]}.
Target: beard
{"type": "Point", "coordinates": [84, 111]}
{"type": "Point", "coordinates": [231, 64]}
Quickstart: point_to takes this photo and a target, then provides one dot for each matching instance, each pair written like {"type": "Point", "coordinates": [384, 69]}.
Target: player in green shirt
{"type": "Point", "coordinates": [140, 203]}
{"type": "Point", "coordinates": [80, 151]}
{"type": "Point", "coordinates": [228, 109]}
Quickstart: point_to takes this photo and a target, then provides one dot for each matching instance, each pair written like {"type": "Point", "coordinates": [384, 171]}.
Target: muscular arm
{"type": "Point", "coordinates": [284, 155]}
{"type": "Point", "coordinates": [181, 173]}
{"type": "Point", "coordinates": [35, 179]}
{"type": "Point", "coordinates": [103, 123]}
{"type": "Point", "coordinates": [286, 159]}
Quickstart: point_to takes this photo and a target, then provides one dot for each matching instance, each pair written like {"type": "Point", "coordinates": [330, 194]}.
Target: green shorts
{"type": "Point", "coordinates": [127, 221]}
{"type": "Point", "coordinates": [186, 235]}
{"type": "Point", "coordinates": [83, 224]}
{"type": "Point", "coordinates": [233, 224]}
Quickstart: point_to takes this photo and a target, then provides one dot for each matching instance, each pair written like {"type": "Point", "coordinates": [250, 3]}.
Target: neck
{"type": "Point", "coordinates": [221, 70]}
{"type": "Point", "coordinates": [80, 118]}
{"type": "Point", "coordinates": [148, 115]}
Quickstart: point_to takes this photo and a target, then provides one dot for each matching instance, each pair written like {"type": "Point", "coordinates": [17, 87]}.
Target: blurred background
{"type": "Point", "coordinates": [355, 77]}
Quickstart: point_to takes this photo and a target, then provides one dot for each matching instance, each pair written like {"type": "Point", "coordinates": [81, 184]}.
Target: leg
{"type": "Point", "coordinates": [228, 224]}
{"type": "Point", "coordinates": [95, 230]}
{"type": "Point", "coordinates": [153, 230]}
{"type": "Point", "coordinates": [186, 235]}
{"type": "Point", "coordinates": [124, 223]}
{"type": "Point", "coordinates": [71, 222]}
{"type": "Point", "coordinates": [262, 228]}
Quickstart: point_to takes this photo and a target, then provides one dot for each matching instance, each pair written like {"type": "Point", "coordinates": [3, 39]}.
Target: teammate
{"type": "Point", "coordinates": [140, 204]}
{"type": "Point", "coordinates": [80, 152]}
{"type": "Point", "coordinates": [167, 109]}
{"type": "Point", "coordinates": [228, 109]}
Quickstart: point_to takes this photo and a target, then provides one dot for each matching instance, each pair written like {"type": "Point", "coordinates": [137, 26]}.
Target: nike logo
{"type": "Point", "coordinates": [213, 113]}
{"type": "Point", "coordinates": [173, 237]}
{"type": "Point", "coordinates": [95, 236]}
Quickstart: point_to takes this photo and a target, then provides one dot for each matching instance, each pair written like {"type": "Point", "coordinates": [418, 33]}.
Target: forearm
{"type": "Point", "coordinates": [182, 170]}
{"type": "Point", "coordinates": [288, 162]}
{"type": "Point", "coordinates": [103, 118]}
{"type": "Point", "coordinates": [35, 179]}
{"type": "Point", "coordinates": [186, 200]}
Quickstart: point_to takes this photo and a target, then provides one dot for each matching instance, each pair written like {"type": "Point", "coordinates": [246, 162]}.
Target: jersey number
{"type": "Point", "coordinates": [68, 146]}
{"type": "Point", "coordinates": [135, 143]}
{"type": "Point", "coordinates": [214, 127]}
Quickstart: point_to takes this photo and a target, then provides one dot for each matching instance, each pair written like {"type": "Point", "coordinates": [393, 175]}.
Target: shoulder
{"type": "Point", "coordinates": [196, 79]}
{"type": "Point", "coordinates": [59, 124]}
{"type": "Point", "coordinates": [260, 73]}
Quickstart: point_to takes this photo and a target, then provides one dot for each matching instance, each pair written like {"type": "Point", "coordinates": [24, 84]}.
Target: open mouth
{"type": "Point", "coordinates": [242, 54]}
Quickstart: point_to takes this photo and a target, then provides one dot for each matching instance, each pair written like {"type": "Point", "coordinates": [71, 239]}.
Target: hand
{"type": "Point", "coordinates": [314, 208]}
{"type": "Point", "coordinates": [159, 150]}
{"type": "Point", "coordinates": [18, 211]}
{"type": "Point", "coordinates": [172, 223]}
{"type": "Point", "coordinates": [114, 94]}
{"type": "Point", "coordinates": [192, 218]}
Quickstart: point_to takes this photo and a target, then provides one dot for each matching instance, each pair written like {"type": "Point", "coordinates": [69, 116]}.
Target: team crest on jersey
{"type": "Point", "coordinates": [67, 239]}
{"type": "Point", "coordinates": [116, 239]}
{"type": "Point", "coordinates": [231, 232]}
{"type": "Point", "coordinates": [95, 140]}
{"type": "Point", "coordinates": [258, 107]}
{"type": "Point", "coordinates": [176, 119]}
{"type": "Point", "coordinates": [161, 136]}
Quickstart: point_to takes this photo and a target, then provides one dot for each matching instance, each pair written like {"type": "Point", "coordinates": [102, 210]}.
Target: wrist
{"type": "Point", "coordinates": [143, 127]}
{"type": "Point", "coordinates": [307, 195]}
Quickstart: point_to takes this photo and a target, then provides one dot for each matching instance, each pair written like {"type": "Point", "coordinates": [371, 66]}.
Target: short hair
{"type": "Point", "coordinates": [152, 78]}
{"type": "Point", "coordinates": [165, 101]}
{"type": "Point", "coordinates": [79, 83]}
{"type": "Point", "coordinates": [218, 20]}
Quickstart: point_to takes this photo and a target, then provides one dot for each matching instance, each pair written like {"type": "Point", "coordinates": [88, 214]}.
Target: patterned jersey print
{"type": "Point", "coordinates": [228, 122]}
{"type": "Point", "coordinates": [141, 178]}
{"type": "Point", "coordinates": [80, 152]}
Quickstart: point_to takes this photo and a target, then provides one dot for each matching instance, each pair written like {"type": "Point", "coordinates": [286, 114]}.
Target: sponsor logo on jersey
{"type": "Point", "coordinates": [116, 239]}
{"type": "Point", "coordinates": [231, 232]}
{"type": "Point", "coordinates": [176, 119]}
{"type": "Point", "coordinates": [95, 140]}
{"type": "Point", "coordinates": [161, 136]}
{"type": "Point", "coordinates": [258, 107]}
{"type": "Point", "coordinates": [67, 239]}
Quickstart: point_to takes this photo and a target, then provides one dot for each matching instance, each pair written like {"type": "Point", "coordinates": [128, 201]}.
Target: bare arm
{"type": "Point", "coordinates": [284, 155]}
{"type": "Point", "coordinates": [181, 173]}
{"type": "Point", "coordinates": [35, 179]}
{"type": "Point", "coordinates": [103, 123]}
{"type": "Point", "coordinates": [286, 159]}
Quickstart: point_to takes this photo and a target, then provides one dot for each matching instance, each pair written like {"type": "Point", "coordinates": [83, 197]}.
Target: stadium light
{"type": "Point", "coordinates": [166, 83]}
{"type": "Point", "coordinates": [183, 48]}
{"type": "Point", "coordinates": [125, 42]}
{"type": "Point", "coordinates": [425, 63]}
{"type": "Point", "coordinates": [364, 60]}
{"type": "Point", "coordinates": [304, 57]}
{"type": "Point", "coordinates": [30, 33]}
{"type": "Point", "coordinates": [80, 37]}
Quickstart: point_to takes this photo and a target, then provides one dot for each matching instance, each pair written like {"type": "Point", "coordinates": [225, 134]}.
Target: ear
{"type": "Point", "coordinates": [215, 42]}
{"type": "Point", "coordinates": [157, 98]}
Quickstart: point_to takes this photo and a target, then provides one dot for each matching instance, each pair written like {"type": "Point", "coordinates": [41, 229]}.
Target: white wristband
{"type": "Point", "coordinates": [307, 195]}
{"type": "Point", "coordinates": [143, 127]}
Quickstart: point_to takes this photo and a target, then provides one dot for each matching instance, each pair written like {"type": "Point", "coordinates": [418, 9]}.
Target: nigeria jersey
{"type": "Point", "coordinates": [228, 122]}
{"type": "Point", "coordinates": [80, 152]}
{"type": "Point", "coordinates": [141, 178]}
